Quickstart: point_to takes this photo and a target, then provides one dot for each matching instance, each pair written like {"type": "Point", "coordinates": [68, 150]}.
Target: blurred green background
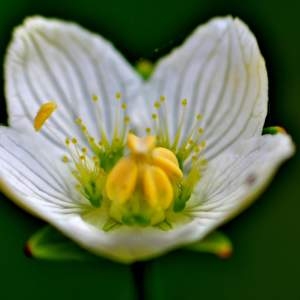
{"type": "Point", "coordinates": [266, 263]}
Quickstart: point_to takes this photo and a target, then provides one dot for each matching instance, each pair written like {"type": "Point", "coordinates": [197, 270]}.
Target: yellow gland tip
{"type": "Point", "coordinates": [44, 114]}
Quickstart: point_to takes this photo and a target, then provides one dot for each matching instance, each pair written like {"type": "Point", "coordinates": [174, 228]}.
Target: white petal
{"type": "Point", "coordinates": [60, 61]}
{"type": "Point", "coordinates": [30, 171]}
{"type": "Point", "coordinates": [34, 183]}
{"type": "Point", "coordinates": [221, 73]}
{"type": "Point", "coordinates": [235, 178]}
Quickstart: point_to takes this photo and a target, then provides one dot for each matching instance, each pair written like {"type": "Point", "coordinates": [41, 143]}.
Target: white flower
{"type": "Point", "coordinates": [202, 158]}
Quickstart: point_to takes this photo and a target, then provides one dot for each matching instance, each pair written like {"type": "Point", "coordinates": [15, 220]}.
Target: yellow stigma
{"type": "Point", "coordinates": [44, 114]}
{"type": "Point", "coordinates": [140, 145]}
{"type": "Point", "coordinates": [148, 174]}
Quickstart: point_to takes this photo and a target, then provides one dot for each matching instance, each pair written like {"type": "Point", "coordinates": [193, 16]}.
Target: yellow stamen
{"type": "Point", "coordinates": [44, 114]}
{"type": "Point", "coordinates": [121, 180]}
{"type": "Point", "coordinates": [157, 187]}
{"type": "Point", "coordinates": [167, 161]}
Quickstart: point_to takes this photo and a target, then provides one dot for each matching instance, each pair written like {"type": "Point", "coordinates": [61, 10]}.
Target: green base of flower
{"type": "Point", "coordinates": [49, 244]}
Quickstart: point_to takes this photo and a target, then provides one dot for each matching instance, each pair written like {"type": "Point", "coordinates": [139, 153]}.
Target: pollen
{"type": "Point", "coordinates": [44, 114]}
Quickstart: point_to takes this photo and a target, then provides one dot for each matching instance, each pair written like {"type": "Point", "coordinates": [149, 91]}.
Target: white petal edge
{"type": "Point", "coordinates": [221, 73]}
{"type": "Point", "coordinates": [236, 178]}
{"type": "Point", "coordinates": [55, 60]}
{"type": "Point", "coordinates": [52, 203]}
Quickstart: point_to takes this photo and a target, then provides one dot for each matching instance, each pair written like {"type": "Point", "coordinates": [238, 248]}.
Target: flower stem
{"type": "Point", "coordinates": [138, 270]}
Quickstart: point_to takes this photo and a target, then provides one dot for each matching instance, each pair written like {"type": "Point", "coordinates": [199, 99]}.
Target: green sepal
{"type": "Point", "coordinates": [273, 130]}
{"type": "Point", "coordinates": [49, 244]}
{"type": "Point", "coordinates": [145, 68]}
{"type": "Point", "coordinates": [216, 243]}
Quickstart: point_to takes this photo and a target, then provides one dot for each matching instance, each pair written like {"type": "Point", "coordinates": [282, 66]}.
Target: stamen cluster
{"type": "Point", "coordinates": [139, 181]}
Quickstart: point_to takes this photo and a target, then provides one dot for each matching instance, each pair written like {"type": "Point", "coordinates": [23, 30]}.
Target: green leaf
{"type": "Point", "coordinates": [273, 130]}
{"type": "Point", "coordinates": [48, 243]}
{"type": "Point", "coordinates": [216, 243]}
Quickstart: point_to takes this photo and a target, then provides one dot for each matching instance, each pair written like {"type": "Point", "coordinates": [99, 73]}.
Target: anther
{"type": "Point", "coordinates": [44, 114]}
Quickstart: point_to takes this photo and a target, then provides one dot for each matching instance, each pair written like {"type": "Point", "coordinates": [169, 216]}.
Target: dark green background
{"type": "Point", "coordinates": [266, 261]}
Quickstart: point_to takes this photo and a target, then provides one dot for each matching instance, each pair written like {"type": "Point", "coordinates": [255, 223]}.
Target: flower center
{"type": "Point", "coordinates": [143, 181]}
{"type": "Point", "coordinates": [135, 181]}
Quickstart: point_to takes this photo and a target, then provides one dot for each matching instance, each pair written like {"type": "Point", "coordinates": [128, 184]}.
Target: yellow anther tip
{"type": "Point", "coordinates": [199, 117]}
{"type": "Point", "coordinates": [44, 114]}
{"type": "Point", "coordinates": [65, 159]}
{"type": "Point", "coordinates": [95, 98]}
{"type": "Point", "coordinates": [157, 105]}
{"type": "Point", "coordinates": [154, 116]}
{"type": "Point", "coordinates": [162, 98]}
{"type": "Point", "coordinates": [184, 102]}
